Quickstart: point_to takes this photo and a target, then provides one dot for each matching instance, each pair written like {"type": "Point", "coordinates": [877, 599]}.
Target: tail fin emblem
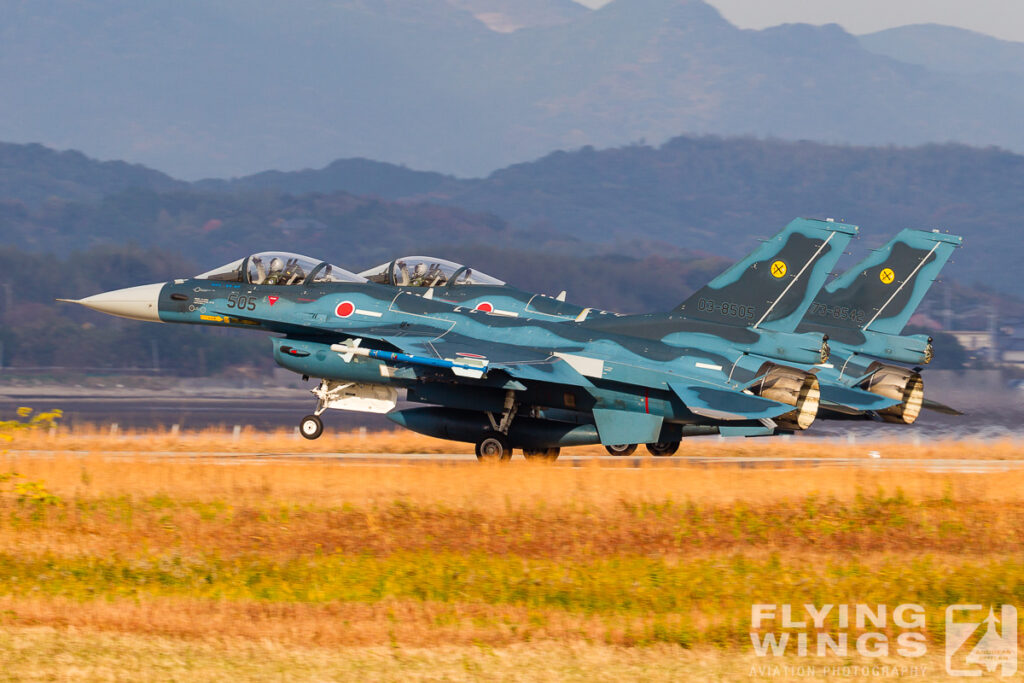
{"type": "Point", "coordinates": [887, 276]}
{"type": "Point", "coordinates": [779, 269]}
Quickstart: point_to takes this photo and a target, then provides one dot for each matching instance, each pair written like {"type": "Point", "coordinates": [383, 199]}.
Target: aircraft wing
{"type": "Point", "coordinates": [466, 356]}
{"type": "Point", "coordinates": [838, 396]}
{"type": "Point", "coordinates": [471, 357]}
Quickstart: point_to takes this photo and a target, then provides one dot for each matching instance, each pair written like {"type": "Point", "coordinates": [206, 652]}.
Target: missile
{"type": "Point", "coordinates": [465, 366]}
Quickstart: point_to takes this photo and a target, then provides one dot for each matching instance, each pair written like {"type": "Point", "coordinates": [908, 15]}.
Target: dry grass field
{"type": "Point", "coordinates": [94, 439]}
{"type": "Point", "coordinates": [134, 566]}
{"type": "Point", "coordinates": [44, 653]}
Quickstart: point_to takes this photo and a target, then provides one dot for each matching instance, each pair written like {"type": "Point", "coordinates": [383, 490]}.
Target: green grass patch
{"type": "Point", "coordinates": [621, 585]}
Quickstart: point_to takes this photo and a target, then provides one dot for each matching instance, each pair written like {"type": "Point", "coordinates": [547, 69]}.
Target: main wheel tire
{"type": "Point", "coordinates": [549, 454]}
{"type": "Point", "coordinates": [663, 448]}
{"type": "Point", "coordinates": [311, 427]}
{"type": "Point", "coordinates": [621, 449]}
{"type": "Point", "coordinates": [493, 447]}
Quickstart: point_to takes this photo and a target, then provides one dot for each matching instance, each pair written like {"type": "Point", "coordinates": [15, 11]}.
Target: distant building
{"type": "Point", "coordinates": [1011, 343]}
{"type": "Point", "coordinates": [974, 340]}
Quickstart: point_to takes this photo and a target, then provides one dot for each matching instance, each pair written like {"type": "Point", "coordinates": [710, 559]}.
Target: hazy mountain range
{"type": "Point", "coordinates": [227, 87]}
{"type": "Point", "coordinates": [689, 197]}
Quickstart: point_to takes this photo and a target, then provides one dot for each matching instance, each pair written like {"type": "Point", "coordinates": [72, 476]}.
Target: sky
{"type": "Point", "coordinates": [1000, 18]}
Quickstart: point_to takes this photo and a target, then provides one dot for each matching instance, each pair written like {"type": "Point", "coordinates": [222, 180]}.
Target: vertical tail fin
{"type": "Point", "coordinates": [773, 287]}
{"type": "Point", "coordinates": [880, 293]}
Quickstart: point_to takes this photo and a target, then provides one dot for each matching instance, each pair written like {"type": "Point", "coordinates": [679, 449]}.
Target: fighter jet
{"type": "Point", "coordinates": [864, 312]}
{"type": "Point", "coordinates": [503, 382]}
{"type": "Point", "coordinates": [893, 280]}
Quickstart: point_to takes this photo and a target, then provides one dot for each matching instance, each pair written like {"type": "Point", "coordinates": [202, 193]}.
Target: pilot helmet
{"type": "Point", "coordinates": [276, 264]}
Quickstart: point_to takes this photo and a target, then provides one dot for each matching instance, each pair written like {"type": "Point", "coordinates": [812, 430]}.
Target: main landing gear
{"type": "Point", "coordinates": [663, 448]}
{"type": "Point", "coordinates": [541, 454]}
{"type": "Point", "coordinates": [495, 446]}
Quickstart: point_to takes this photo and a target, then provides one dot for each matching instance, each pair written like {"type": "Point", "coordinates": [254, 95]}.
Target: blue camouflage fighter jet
{"type": "Point", "coordinates": [862, 313]}
{"type": "Point", "coordinates": [504, 382]}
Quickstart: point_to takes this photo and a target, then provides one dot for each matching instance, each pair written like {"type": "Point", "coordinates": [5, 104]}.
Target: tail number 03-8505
{"type": "Point", "coordinates": [725, 308]}
{"type": "Point", "coordinates": [242, 302]}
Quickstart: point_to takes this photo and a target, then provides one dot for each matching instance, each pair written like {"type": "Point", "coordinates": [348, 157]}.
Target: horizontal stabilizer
{"type": "Point", "coordinates": [727, 404]}
{"type": "Point", "coordinates": [620, 426]}
{"type": "Point", "coordinates": [856, 399]}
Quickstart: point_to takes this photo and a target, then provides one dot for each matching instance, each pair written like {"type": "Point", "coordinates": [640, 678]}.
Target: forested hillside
{"type": "Point", "coordinates": [708, 194]}
{"type": "Point", "coordinates": [629, 229]}
{"type": "Point", "coordinates": [714, 194]}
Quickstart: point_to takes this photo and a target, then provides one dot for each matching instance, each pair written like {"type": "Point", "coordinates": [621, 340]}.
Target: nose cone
{"type": "Point", "coordinates": [138, 303]}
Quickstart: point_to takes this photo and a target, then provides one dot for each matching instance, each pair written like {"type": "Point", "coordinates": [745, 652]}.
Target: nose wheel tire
{"type": "Point", "coordinates": [663, 448]}
{"type": "Point", "coordinates": [311, 427]}
{"type": "Point", "coordinates": [549, 454]}
{"type": "Point", "coordinates": [494, 447]}
{"type": "Point", "coordinates": [621, 449]}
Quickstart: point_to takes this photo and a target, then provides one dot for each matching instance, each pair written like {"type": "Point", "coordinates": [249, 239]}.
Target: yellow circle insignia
{"type": "Point", "coordinates": [778, 269]}
{"type": "Point", "coordinates": [887, 276]}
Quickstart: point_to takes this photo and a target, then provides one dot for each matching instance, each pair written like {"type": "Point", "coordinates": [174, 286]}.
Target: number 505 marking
{"type": "Point", "coordinates": [242, 302]}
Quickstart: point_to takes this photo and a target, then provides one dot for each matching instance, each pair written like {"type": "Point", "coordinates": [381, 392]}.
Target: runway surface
{"type": "Point", "coordinates": [270, 409]}
{"type": "Point", "coordinates": [146, 412]}
{"type": "Point", "coordinates": [568, 459]}
{"type": "Point", "coordinates": [285, 411]}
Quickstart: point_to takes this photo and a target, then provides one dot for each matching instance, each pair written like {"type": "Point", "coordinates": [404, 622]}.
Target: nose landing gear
{"type": "Point", "coordinates": [331, 394]}
{"type": "Point", "coordinates": [311, 427]}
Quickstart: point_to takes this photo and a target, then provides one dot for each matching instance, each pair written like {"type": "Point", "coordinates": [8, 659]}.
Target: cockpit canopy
{"type": "Point", "coordinates": [280, 268]}
{"type": "Point", "coordinates": [426, 271]}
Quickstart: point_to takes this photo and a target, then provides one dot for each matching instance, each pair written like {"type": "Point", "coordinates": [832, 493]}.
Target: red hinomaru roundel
{"type": "Point", "coordinates": [345, 309]}
{"type": "Point", "coordinates": [485, 306]}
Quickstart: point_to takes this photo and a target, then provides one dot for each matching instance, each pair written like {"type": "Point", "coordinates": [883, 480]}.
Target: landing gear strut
{"type": "Point", "coordinates": [663, 448]}
{"type": "Point", "coordinates": [312, 426]}
{"type": "Point", "coordinates": [494, 445]}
